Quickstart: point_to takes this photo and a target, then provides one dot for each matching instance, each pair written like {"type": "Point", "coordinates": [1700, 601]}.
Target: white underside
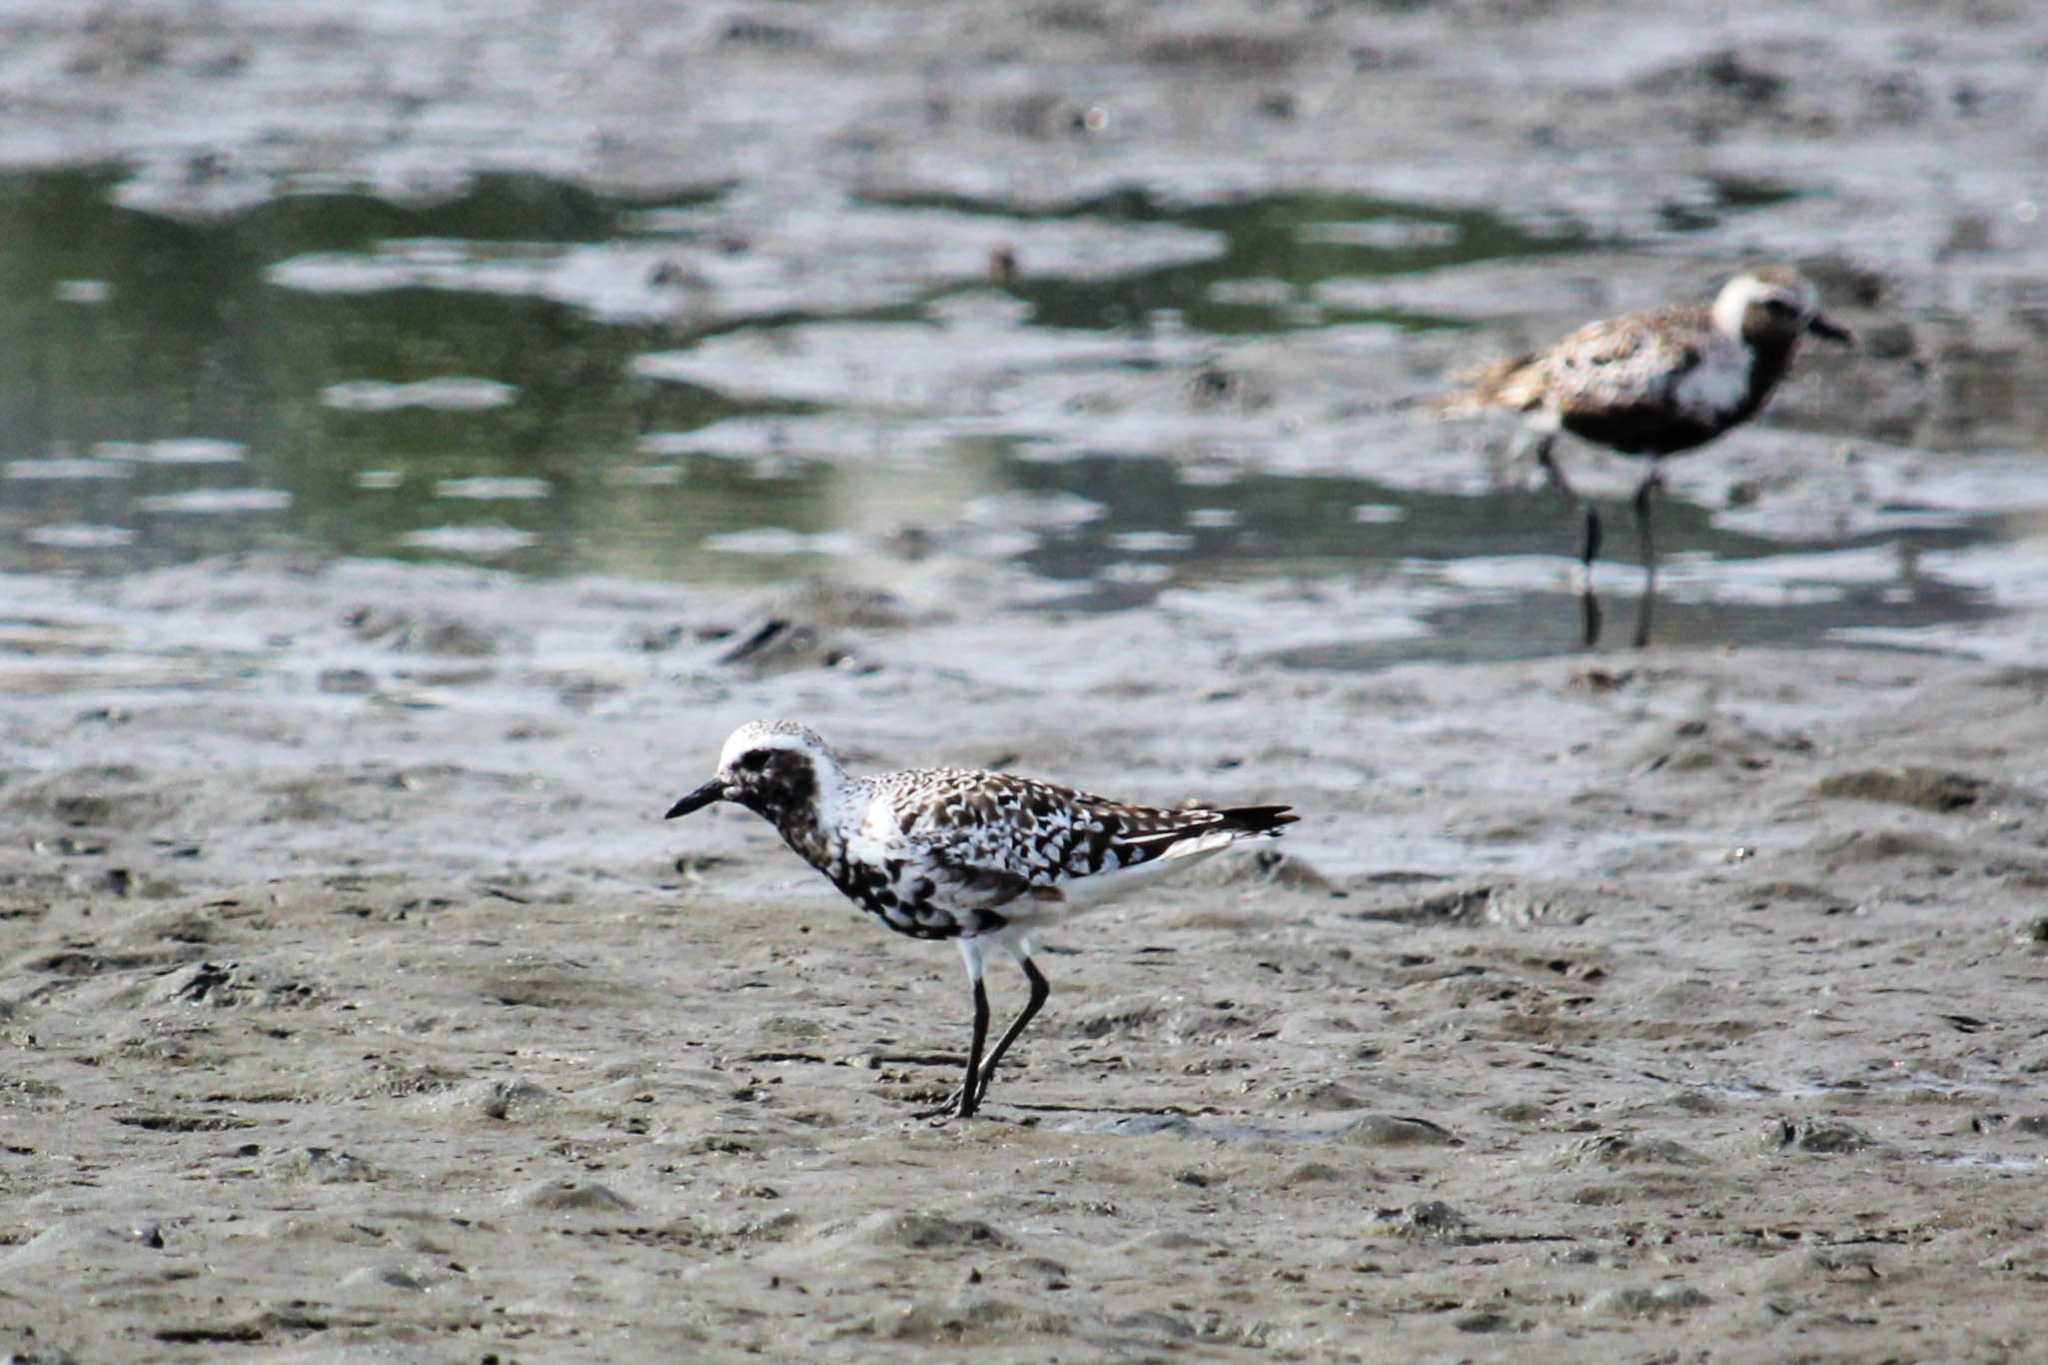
{"type": "Point", "coordinates": [1078, 894]}
{"type": "Point", "coordinates": [1081, 894]}
{"type": "Point", "coordinates": [1715, 387]}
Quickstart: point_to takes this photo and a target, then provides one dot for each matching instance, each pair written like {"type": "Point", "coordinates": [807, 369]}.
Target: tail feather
{"type": "Point", "coordinates": [1204, 831]}
{"type": "Point", "coordinates": [1258, 819]}
{"type": "Point", "coordinates": [1513, 384]}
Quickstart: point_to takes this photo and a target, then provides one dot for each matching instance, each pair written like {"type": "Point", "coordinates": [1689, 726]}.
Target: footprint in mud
{"type": "Point", "coordinates": [1725, 745]}
{"type": "Point", "coordinates": [513, 1101]}
{"type": "Point", "coordinates": [980, 1321]}
{"type": "Point", "coordinates": [233, 985]}
{"type": "Point", "coordinates": [1818, 1137]}
{"type": "Point", "coordinates": [388, 1276]}
{"type": "Point", "coordinates": [1483, 906]}
{"type": "Point", "coordinates": [96, 798]}
{"type": "Point", "coordinates": [1632, 1301]}
{"type": "Point", "coordinates": [802, 630]}
{"type": "Point", "coordinates": [1430, 1220]}
{"type": "Point", "coordinates": [1367, 1130]}
{"type": "Point", "coordinates": [1324, 1097]}
{"type": "Point", "coordinates": [572, 1196]}
{"type": "Point", "coordinates": [1929, 789]}
{"type": "Point", "coordinates": [323, 1166]}
{"type": "Point", "coordinates": [1837, 851]}
{"type": "Point", "coordinates": [916, 1230]}
{"type": "Point", "coordinates": [1392, 1130]}
{"type": "Point", "coordinates": [882, 1240]}
{"type": "Point", "coordinates": [781, 644]}
{"type": "Point", "coordinates": [405, 632]}
{"type": "Point", "coordinates": [1623, 1149]}
{"type": "Point", "coordinates": [1260, 867]}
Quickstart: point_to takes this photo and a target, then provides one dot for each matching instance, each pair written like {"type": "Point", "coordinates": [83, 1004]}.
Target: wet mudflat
{"type": "Point", "coordinates": [1681, 1003]}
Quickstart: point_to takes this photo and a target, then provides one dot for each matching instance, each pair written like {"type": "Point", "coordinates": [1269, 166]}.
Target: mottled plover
{"type": "Point", "coordinates": [1653, 384]}
{"type": "Point", "coordinates": [983, 858]}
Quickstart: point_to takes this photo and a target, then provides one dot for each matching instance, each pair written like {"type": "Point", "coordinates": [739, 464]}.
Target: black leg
{"type": "Point", "coordinates": [1040, 988]}
{"type": "Point", "coordinates": [965, 1098]}
{"type": "Point", "coordinates": [970, 1097]}
{"type": "Point", "coordinates": [1643, 496]}
{"type": "Point", "coordinates": [1589, 606]}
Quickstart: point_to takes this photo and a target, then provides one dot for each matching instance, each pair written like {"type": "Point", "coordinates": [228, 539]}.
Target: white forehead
{"type": "Point", "coordinates": [770, 734]}
{"type": "Point", "coordinates": [1744, 290]}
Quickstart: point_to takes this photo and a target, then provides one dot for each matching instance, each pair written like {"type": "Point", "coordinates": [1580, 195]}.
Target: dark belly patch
{"type": "Point", "coordinates": [907, 908]}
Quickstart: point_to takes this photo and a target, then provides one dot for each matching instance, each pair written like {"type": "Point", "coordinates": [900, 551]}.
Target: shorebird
{"type": "Point", "coordinates": [983, 858]}
{"type": "Point", "coordinates": [1653, 384]}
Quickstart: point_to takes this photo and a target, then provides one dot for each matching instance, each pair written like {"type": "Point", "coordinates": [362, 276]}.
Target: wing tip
{"type": "Point", "coordinates": [1259, 819]}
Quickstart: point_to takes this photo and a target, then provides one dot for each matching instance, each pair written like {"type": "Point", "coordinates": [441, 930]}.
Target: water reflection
{"type": "Point", "coordinates": [1276, 250]}
{"type": "Point", "coordinates": [422, 361]}
{"type": "Point", "coordinates": [522, 374]}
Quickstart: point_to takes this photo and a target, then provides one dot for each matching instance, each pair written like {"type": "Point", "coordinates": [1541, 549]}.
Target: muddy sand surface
{"type": "Point", "coordinates": [1682, 1004]}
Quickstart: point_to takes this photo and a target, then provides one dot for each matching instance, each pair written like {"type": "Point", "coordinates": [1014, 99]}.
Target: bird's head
{"type": "Point", "coordinates": [1774, 305]}
{"type": "Point", "coordinates": [772, 767]}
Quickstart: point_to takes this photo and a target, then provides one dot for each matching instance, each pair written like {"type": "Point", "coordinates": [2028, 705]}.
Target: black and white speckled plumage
{"type": "Point", "coordinates": [956, 853]}
{"type": "Point", "coordinates": [1653, 384]}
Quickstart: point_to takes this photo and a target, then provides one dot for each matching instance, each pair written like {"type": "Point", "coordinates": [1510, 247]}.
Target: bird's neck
{"type": "Point", "coordinates": [813, 821]}
{"type": "Point", "coordinates": [1768, 361]}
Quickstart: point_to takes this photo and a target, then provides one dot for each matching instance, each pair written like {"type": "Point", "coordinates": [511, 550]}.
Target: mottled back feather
{"type": "Point", "coordinates": [1627, 362]}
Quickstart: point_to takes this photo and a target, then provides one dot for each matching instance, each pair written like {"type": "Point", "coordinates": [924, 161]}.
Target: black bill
{"type": "Point", "coordinates": [1835, 332]}
{"type": "Point", "coordinates": [714, 790]}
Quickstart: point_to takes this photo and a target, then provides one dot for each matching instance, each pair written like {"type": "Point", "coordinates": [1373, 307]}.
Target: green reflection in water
{"type": "Point", "coordinates": [177, 332]}
{"type": "Point", "coordinates": [1296, 240]}
{"type": "Point", "coordinates": [188, 339]}
{"type": "Point", "coordinates": [1729, 194]}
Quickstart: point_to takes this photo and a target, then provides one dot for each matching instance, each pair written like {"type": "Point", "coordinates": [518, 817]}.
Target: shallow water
{"type": "Point", "coordinates": [525, 375]}
{"type": "Point", "coordinates": [1272, 253]}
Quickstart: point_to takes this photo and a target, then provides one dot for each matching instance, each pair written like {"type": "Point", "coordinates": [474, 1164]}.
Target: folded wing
{"type": "Point", "coordinates": [992, 838]}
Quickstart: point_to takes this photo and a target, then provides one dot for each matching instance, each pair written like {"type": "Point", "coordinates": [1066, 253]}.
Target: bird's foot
{"type": "Point", "coordinates": [946, 1110]}
{"type": "Point", "coordinates": [954, 1106]}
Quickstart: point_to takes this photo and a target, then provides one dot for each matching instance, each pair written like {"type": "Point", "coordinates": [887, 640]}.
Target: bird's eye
{"type": "Point", "coordinates": [752, 761]}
